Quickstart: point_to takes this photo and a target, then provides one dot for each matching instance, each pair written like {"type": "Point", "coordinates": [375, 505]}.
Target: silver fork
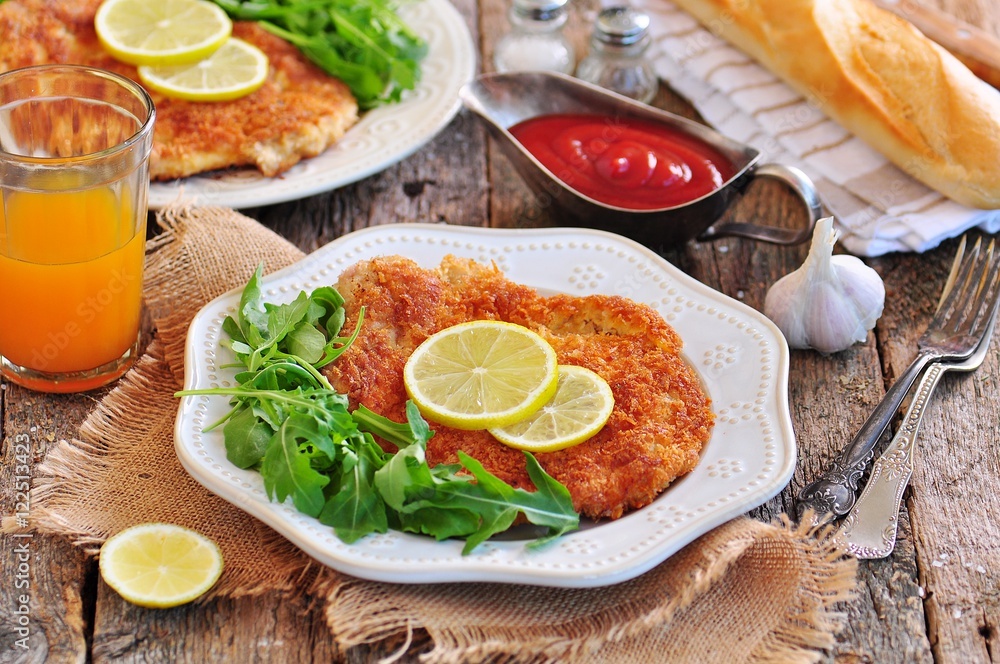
{"type": "Point", "coordinates": [869, 530]}
{"type": "Point", "coordinates": [967, 304]}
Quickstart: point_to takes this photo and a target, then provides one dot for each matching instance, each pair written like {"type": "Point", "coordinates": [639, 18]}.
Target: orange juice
{"type": "Point", "coordinates": [74, 179]}
{"type": "Point", "coordinates": [70, 277]}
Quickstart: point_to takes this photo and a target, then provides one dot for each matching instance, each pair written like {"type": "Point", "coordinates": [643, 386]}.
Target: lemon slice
{"type": "Point", "coordinates": [160, 565]}
{"type": "Point", "coordinates": [235, 70]}
{"type": "Point", "coordinates": [481, 374]}
{"type": "Point", "coordinates": [579, 409]}
{"type": "Point", "coordinates": [161, 32]}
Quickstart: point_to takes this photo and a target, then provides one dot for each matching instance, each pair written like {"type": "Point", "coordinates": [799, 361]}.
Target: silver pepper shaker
{"type": "Point", "coordinates": [617, 58]}
{"type": "Point", "coordinates": [536, 40]}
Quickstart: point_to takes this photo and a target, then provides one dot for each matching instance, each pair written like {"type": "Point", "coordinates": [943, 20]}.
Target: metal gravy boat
{"type": "Point", "coordinates": [502, 100]}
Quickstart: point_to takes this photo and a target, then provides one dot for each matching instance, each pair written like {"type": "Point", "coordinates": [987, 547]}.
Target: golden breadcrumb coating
{"type": "Point", "coordinates": [299, 111]}
{"type": "Point", "coordinates": [662, 415]}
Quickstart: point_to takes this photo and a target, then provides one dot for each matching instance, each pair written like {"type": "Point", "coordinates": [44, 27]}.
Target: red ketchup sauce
{"type": "Point", "coordinates": [624, 162]}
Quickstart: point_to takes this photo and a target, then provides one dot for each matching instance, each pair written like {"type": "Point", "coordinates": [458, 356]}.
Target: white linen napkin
{"type": "Point", "coordinates": [878, 208]}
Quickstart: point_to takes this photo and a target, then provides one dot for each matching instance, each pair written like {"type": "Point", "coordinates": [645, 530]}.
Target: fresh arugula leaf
{"type": "Point", "coordinates": [287, 472]}
{"type": "Point", "coordinates": [252, 317]}
{"type": "Point", "coordinates": [498, 503]}
{"type": "Point", "coordinates": [338, 345]}
{"type": "Point", "coordinates": [402, 476]}
{"type": "Point", "coordinates": [246, 438]}
{"type": "Point", "coordinates": [327, 310]}
{"type": "Point", "coordinates": [283, 318]}
{"type": "Point", "coordinates": [362, 42]}
{"type": "Point", "coordinates": [554, 507]}
{"type": "Point", "coordinates": [232, 329]}
{"type": "Point", "coordinates": [288, 422]}
{"type": "Point", "coordinates": [440, 523]}
{"type": "Point", "coordinates": [491, 522]}
{"type": "Point", "coordinates": [424, 498]}
{"type": "Point", "coordinates": [414, 430]}
{"type": "Point", "coordinates": [356, 509]}
{"type": "Point", "coordinates": [306, 342]}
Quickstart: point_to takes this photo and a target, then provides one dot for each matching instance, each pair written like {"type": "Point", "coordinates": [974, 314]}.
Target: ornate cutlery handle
{"type": "Point", "coordinates": [870, 528]}
{"type": "Point", "coordinates": [832, 495]}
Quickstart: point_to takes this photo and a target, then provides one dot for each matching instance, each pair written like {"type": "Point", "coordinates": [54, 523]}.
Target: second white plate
{"type": "Point", "coordinates": [740, 355]}
{"type": "Point", "coordinates": [381, 137]}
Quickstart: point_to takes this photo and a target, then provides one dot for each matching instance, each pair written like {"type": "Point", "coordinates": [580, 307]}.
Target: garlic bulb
{"type": "Point", "coordinates": [830, 302]}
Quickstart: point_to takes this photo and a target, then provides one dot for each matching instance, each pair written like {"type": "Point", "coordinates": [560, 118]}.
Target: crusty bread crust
{"type": "Point", "coordinates": [880, 78]}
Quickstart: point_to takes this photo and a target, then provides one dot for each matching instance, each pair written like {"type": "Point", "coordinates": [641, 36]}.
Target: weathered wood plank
{"type": "Point", "coordinates": [828, 395]}
{"type": "Point", "coordinates": [958, 550]}
{"type": "Point", "coordinates": [43, 599]}
{"type": "Point", "coordinates": [935, 599]}
{"type": "Point", "coordinates": [444, 181]}
{"type": "Point", "coordinates": [250, 629]}
{"type": "Point", "coordinates": [829, 398]}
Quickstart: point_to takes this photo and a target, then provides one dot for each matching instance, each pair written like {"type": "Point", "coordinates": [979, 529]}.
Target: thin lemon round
{"type": "Point", "coordinates": [481, 374]}
{"type": "Point", "coordinates": [160, 565]}
{"type": "Point", "coordinates": [235, 70]}
{"type": "Point", "coordinates": [161, 32]}
{"type": "Point", "coordinates": [579, 409]}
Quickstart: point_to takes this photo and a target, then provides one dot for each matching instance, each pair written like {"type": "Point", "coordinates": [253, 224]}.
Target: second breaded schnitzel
{"type": "Point", "coordinates": [299, 112]}
{"type": "Point", "coordinates": [662, 415]}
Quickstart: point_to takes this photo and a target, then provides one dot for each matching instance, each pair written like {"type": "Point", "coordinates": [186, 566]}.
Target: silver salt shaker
{"type": "Point", "coordinates": [617, 58]}
{"type": "Point", "coordinates": [536, 40]}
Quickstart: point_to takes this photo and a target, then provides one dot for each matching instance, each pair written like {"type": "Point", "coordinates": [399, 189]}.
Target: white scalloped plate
{"type": "Point", "coordinates": [740, 355]}
{"type": "Point", "coordinates": [382, 137]}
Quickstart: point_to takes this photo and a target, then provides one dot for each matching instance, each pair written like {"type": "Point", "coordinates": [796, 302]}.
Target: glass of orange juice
{"type": "Point", "coordinates": [74, 179]}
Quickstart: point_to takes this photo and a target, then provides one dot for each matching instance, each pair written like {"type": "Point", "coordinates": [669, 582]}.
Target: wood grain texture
{"type": "Point", "coordinates": [936, 599]}
{"type": "Point", "coordinates": [263, 629]}
{"type": "Point", "coordinates": [958, 551]}
{"type": "Point", "coordinates": [53, 625]}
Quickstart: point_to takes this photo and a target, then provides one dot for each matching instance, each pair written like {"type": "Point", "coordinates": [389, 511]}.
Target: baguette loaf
{"type": "Point", "coordinates": [881, 79]}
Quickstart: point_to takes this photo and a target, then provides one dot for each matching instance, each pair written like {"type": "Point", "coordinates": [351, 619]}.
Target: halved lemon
{"type": "Point", "coordinates": [160, 565]}
{"type": "Point", "coordinates": [162, 32]}
{"type": "Point", "coordinates": [481, 374]}
{"type": "Point", "coordinates": [579, 409]}
{"type": "Point", "coordinates": [235, 70]}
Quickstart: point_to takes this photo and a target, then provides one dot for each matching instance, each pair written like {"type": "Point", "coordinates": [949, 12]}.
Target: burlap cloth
{"type": "Point", "coordinates": [746, 592]}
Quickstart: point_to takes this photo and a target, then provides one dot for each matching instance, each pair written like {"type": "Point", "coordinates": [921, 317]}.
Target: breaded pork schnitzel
{"type": "Point", "coordinates": [299, 112]}
{"type": "Point", "coordinates": [662, 415]}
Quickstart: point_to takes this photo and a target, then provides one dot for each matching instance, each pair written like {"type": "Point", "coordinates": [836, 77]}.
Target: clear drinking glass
{"type": "Point", "coordinates": [74, 179]}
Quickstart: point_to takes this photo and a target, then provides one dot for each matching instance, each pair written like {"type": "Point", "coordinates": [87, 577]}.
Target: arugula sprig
{"type": "Point", "coordinates": [293, 427]}
{"type": "Point", "coordinates": [362, 42]}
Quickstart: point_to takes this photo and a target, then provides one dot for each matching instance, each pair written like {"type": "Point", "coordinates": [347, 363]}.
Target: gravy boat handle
{"type": "Point", "coordinates": [800, 184]}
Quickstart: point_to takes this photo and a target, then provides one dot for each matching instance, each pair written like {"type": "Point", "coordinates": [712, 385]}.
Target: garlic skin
{"type": "Point", "coordinates": [830, 302]}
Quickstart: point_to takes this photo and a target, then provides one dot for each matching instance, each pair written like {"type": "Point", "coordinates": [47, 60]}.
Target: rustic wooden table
{"type": "Point", "coordinates": [937, 598]}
